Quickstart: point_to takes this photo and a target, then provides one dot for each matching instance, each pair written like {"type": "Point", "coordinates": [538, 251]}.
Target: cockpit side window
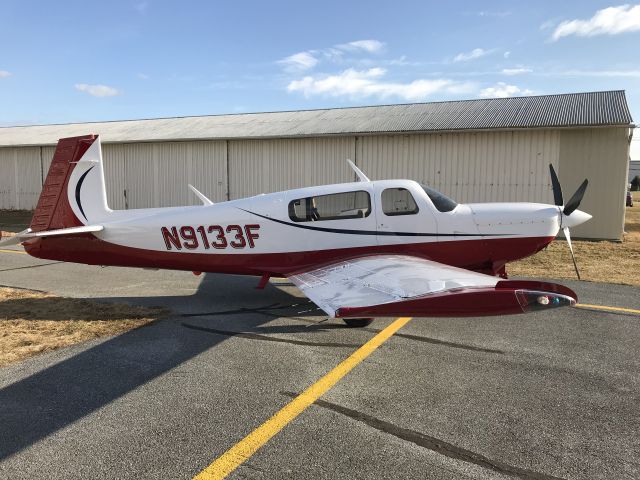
{"type": "Point", "coordinates": [440, 200]}
{"type": "Point", "coordinates": [335, 206]}
{"type": "Point", "coordinates": [398, 201]}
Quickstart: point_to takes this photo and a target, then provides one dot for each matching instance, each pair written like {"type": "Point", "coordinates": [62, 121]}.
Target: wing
{"type": "Point", "coordinates": [397, 285]}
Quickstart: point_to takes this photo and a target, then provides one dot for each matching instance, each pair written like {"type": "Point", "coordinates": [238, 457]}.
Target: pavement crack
{"type": "Point", "coordinates": [436, 341]}
{"type": "Point", "coordinates": [431, 443]}
{"type": "Point", "coordinates": [253, 467]}
{"type": "Point", "coordinates": [29, 266]}
{"type": "Point", "coordinates": [446, 343]}
{"type": "Point", "coordinates": [23, 288]}
{"type": "Point", "coordinates": [261, 310]}
{"type": "Point", "coordinates": [266, 338]}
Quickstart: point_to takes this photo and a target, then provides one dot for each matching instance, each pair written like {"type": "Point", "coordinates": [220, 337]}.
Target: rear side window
{"type": "Point", "coordinates": [398, 201]}
{"type": "Point", "coordinates": [336, 206]}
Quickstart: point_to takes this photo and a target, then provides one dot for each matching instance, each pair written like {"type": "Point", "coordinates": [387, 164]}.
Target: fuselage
{"type": "Point", "coordinates": [284, 232]}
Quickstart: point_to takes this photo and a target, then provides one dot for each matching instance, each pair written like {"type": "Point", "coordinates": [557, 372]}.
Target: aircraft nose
{"type": "Point", "coordinates": [576, 217]}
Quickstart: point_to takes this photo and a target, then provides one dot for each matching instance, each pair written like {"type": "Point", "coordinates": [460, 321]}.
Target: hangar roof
{"type": "Point", "coordinates": [564, 110]}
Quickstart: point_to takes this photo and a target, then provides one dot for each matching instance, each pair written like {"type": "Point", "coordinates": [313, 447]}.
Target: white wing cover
{"type": "Point", "coordinates": [382, 279]}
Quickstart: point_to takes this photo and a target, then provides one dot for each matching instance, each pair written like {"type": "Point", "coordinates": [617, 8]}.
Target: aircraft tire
{"type": "Point", "coordinates": [357, 322]}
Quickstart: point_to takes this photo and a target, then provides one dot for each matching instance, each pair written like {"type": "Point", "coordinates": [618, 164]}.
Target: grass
{"type": "Point", "coordinates": [14, 220]}
{"type": "Point", "coordinates": [609, 262]}
{"type": "Point", "coordinates": [33, 322]}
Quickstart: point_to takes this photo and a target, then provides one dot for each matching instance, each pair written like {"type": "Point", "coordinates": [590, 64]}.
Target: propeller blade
{"type": "Point", "coordinates": [574, 201]}
{"type": "Point", "coordinates": [567, 235]}
{"type": "Point", "coordinates": [555, 185]}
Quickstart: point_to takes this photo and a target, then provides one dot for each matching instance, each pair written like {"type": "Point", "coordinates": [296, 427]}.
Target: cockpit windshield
{"type": "Point", "coordinates": [440, 201]}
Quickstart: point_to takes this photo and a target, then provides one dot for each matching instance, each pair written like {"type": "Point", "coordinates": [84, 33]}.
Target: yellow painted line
{"type": "Point", "coordinates": [13, 251]}
{"type": "Point", "coordinates": [245, 448]}
{"type": "Point", "coordinates": [605, 307]}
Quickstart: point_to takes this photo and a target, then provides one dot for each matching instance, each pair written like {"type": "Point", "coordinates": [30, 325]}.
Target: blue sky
{"type": "Point", "coordinates": [82, 61]}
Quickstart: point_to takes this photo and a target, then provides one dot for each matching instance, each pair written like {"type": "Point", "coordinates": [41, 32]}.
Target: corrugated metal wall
{"type": "Point", "coordinates": [46, 154]}
{"type": "Point", "coordinates": [20, 177]}
{"type": "Point", "coordinates": [263, 166]}
{"type": "Point", "coordinates": [157, 174]}
{"type": "Point", "coordinates": [601, 155]}
{"type": "Point", "coordinates": [8, 179]}
{"type": "Point", "coordinates": [137, 175]}
{"type": "Point", "coordinates": [468, 166]}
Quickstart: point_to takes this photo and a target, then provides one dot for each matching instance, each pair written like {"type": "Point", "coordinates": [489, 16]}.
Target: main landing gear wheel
{"type": "Point", "coordinates": [357, 322]}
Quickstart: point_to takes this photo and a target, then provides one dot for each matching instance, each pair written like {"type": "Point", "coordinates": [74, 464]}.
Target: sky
{"type": "Point", "coordinates": [77, 61]}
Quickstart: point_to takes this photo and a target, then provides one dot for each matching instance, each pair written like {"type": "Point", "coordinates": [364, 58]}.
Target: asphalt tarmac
{"type": "Point", "coordinates": [549, 395]}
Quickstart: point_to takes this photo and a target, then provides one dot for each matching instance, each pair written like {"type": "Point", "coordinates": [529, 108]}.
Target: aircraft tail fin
{"type": "Point", "coordinates": [74, 194]}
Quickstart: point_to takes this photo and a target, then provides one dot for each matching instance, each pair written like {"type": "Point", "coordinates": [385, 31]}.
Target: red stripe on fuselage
{"type": "Point", "coordinates": [483, 255]}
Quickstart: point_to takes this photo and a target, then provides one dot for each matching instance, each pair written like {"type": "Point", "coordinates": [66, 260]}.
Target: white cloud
{"type": "Point", "coordinates": [516, 71]}
{"type": "Point", "coordinates": [5, 74]}
{"type": "Point", "coordinates": [608, 21]}
{"type": "Point", "coordinates": [402, 61]}
{"type": "Point", "coordinates": [299, 62]}
{"type": "Point", "coordinates": [494, 14]}
{"type": "Point", "coordinates": [507, 54]}
{"type": "Point", "coordinates": [368, 83]}
{"type": "Point", "coordinates": [370, 46]}
{"type": "Point", "coordinates": [332, 53]}
{"type": "Point", "coordinates": [473, 54]}
{"type": "Point", "coordinates": [549, 23]}
{"type": "Point", "coordinates": [142, 76]}
{"type": "Point", "coordinates": [501, 90]}
{"type": "Point", "coordinates": [97, 90]}
{"type": "Point", "coordinates": [594, 73]}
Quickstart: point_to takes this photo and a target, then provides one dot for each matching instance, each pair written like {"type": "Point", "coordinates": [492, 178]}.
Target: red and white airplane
{"type": "Point", "coordinates": [358, 250]}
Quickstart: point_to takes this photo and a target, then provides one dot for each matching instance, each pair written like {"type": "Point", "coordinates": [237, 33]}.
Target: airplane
{"type": "Point", "coordinates": [358, 250]}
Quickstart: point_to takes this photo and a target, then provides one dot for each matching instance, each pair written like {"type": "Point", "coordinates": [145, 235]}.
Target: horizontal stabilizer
{"type": "Point", "coordinates": [27, 234]}
{"type": "Point", "coordinates": [14, 239]}
{"type": "Point", "coordinates": [65, 231]}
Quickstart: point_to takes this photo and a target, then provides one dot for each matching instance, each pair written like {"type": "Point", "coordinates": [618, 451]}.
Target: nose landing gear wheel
{"type": "Point", "coordinates": [357, 322]}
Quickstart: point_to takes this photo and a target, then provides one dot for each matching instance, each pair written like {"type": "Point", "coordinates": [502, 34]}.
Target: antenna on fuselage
{"type": "Point", "coordinates": [200, 195]}
{"type": "Point", "coordinates": [361, 176]}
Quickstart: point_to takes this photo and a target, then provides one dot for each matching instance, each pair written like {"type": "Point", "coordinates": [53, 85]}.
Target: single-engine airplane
{"type": "Point", "coordinates": [358, 250]}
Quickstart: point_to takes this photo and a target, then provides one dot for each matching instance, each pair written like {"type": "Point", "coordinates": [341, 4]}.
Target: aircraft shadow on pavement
{"type": "Point", "coordinates": [41, 404]}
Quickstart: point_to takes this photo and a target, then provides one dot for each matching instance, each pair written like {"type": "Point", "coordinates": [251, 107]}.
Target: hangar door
{"type": "Point", "coordinates": [147, 175]}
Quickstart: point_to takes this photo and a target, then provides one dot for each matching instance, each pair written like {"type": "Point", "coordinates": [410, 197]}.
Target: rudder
{"type": "Point", "coordinates": [54, 210]}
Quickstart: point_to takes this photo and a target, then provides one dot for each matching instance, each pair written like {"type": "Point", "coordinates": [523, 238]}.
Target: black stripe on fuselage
{"type": "Point", "coordinates": [375, 232]}
{"type": "Point", "coordinates": [78, 187]}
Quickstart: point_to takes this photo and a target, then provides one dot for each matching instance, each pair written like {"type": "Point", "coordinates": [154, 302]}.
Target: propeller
{"type": "Point", "coordinates": [573, 257]}
{"type": "Point", "coordinates": [574, 201]}
{"type": "Point", "coordinates": [567, 209]}
{"type": "Point", "coordinates": [557, 189]}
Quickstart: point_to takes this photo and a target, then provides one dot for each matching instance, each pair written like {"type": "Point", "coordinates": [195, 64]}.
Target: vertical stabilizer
{"type": "Point", "coordinates": [73, 193]}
